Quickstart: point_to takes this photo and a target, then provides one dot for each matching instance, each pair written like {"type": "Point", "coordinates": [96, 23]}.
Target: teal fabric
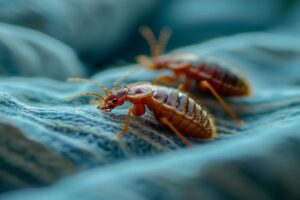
{"type": "Point", "coordinates": [25, 52]}
{"type": "Point", "coordinates": [93, 28]}
{"type": "Point", "coordinates": [52, 149]}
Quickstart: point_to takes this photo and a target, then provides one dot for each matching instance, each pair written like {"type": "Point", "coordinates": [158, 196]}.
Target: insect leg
{"type": "Point", "coordinates": [166, 79]}
{"type": "Point", "coordinates": [226, 107]}
{"type": "Point", "coordinates": [126, 124]}
{"type": "Point", "coordinates": [137, 110]}
{"type": "Point", "coordinates": [186, 85]}
{"type": "Point", "coordinates": [166, 122]}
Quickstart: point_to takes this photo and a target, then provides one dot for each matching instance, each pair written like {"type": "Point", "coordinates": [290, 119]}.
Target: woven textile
{"type": "Point", "coordinates": [71, 150]}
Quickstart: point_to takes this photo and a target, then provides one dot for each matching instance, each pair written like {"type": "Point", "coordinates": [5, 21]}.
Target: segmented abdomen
{"type": "Point", "coordinates": [222, 77]}
{"type": "Point", "coordinates": [188, 117]}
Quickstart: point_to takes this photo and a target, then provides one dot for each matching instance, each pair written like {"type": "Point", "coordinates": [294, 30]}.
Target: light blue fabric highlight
{"type": "Point", "coordinates": [53, 149]}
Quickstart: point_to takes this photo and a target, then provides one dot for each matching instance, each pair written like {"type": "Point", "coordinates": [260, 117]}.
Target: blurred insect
{"type": "Point", "coordinates": [210, 74]}
{"type": "Point", "coordinates": [170, 107]}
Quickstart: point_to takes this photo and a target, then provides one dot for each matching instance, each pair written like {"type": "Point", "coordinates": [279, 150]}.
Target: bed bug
{"type": "Point", "coordinates": [210, 74]}
{"type": "Point", "coordinates": [170, 107]}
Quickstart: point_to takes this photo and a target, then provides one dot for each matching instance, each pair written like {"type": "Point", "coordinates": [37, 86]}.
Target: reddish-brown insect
{"type": "Point", "coordinates": [218, 77]}
{"type": "Point", "coordinates": [170, 107]}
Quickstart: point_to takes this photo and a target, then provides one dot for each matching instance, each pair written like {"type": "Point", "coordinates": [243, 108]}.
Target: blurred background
{"type": "Point", "coordinates": [103, 33]}
{"type": "Point", "coordinates": [44, 139]}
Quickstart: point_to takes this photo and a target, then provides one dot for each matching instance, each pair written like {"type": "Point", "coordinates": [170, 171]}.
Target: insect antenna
{"type": "Point", "coordinates": [144, 60]}
{"type": "Point", "coordinates": [163, 39]}
{"type": "Point", "coordinates": [126, 76]}
{"type": "Point", "coordinates": [156, 47]}
{"type": "Point", "coordinates": [85, 94]}
{"type": "Point", "coordinates": [102, 87]}
{"type": "Point", "coordinates": [146, 32]}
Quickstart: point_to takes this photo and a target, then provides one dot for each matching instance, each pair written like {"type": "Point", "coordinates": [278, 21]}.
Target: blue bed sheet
{"type": "Point", "coordinates": [53, 149]}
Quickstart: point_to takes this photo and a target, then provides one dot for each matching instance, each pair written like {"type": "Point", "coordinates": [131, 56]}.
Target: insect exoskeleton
{"type": "Point", "coordinates": [170, 108]}
{"type": "Point", "coordinates": [222, 76]}
{"type": "Point", "coordinates": [211, 74]}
